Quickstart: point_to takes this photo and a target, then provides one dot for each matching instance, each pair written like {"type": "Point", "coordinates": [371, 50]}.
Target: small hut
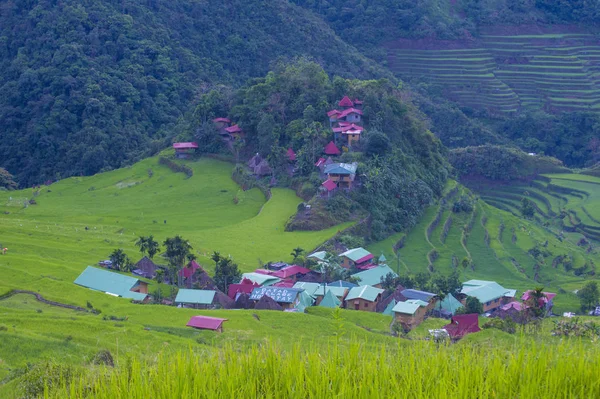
{"type": "Point", "coordinates": [145, 268]}
{"type": "Point", "coordinates": [267, 303]}
{"type": "Point", "coordinates": [206, 323]}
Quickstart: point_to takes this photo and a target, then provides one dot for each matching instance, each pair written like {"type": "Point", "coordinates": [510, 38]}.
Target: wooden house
{"type": "Point", "coordinates": [206, 323]}
{"type": "Point", "coordinates": [235, 132]}
{"type": "Point", "coordinates": [348, 133]}
{"type": "Point", "coordinates": [321, 292]}
{"type": "Point", "coordinates": [185, 150]}
{"type": "Point", "coordinates": [428, 297]}
{"type": "Point", "coordinates": [410, 313]}
{"type": "Point", "coordinates": [351, 115]}
{"type": "Point", "coordinates": [343, 174]}
{"type": "Point", "coordinates": [114, 284]}
{"type": "Point", "coordinates": [491, 294]}
{"type": "Point", "coordinates": [363, 298]}
{"type": "Point", "coordinates": [357, 258]}
{"type": "Point", "coordinates": [292, 273]}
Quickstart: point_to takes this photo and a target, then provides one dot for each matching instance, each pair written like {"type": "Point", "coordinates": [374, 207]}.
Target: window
{"type": "Point", "coordinates": [366, 305]}
{"type": "Point", "coordinates": [487, 303]}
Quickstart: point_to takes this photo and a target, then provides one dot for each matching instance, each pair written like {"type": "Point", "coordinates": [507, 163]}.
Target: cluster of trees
{"type": "Point", "coordinates": [402, 165]}
{"type": "Point", "coordinates": [94, 85]}
{"type": "Point", "coordinates": [7, 181]}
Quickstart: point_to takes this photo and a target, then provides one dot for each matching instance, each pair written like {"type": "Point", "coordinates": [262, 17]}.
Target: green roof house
{"type": "Point", "coordinates": [448, 306]}
{"type": "Point", "coordinates": [261, 279]}
{"type": "Point", "coordinates": [304, 301]}
{"type": "Point", "coordinates": [363, 298]}
{"type": "Point", "coordinates": [410, 313]}
{"type": "Point", "coordinates": [113, 283]}
{"type": "Point", "coordinates": [195, 298]}
{"type": "Point", "coordinates": [356, 257]}
{"type": "Point", "coordinates": [318, 256]}
{"type": "Point", "coordinates": [309, 288]}
{"type": "Point", "coordinates": [373, 276]}
{"type": "Point", "coordinates": [330, 301]}
{"type": "Point", "coordinates": [491, 294]}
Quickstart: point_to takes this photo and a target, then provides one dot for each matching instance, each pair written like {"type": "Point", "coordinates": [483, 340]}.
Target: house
{"type": "Point", "coordinates": [374, 276]}
{"type": "Point", "coordinates": [263, 280]}
{"type": "Point", "coordinates": [410, 313]}
{"type": "Point", "coordinates": [309, 288]}
{"type": "Point", "coordinates": [291, 272]}
{"type": "Point", "coordinates": [363, 298]}
{"type": "Point", "coordinates": [389, 309]}
{"type": "Point", "coordinates": [193, 273]}
{"type": "Point", "coordinates": [491, 294]}
{"type": "Point", "coordinates": [351, 115]}
{"type": "Point", "coordinates": [145, 267]}
{"type": "Point", "coordinates": [331, 149]}
{"type": "Point", "coordinates": [341, 283]}
{"type": "Point", "coordinates": [242, 301]}
{"type": "Point", "coordinates": [349, 133]}
{"type": "Point", "coordinates": [319, 256]}
{"type": "Point", "coordinates": [343, 174]}
{"type": "Point", "coordinates": [221, 123]}
{"type": "Point", "coordinates": [321, 292]}
{"type": "Point", "coordinates": [545, 302]}
{"type": "Point", "coordinates": [285, 297]}
{"type": "Point", "coordinates": [284, 283]}
{"type": "Point", "coordinates": [114, 284]}
{"type": "Point", "coordinates": [448, 306]}
{"type": "Point", "coordinates": [333, 116]}
{"type": "Point", "coordinates": [206, 323]}
{"type": "Point", "coordinates": [235, 132]}
{"type": "Point", "coordinates": [395, 296]}
{"type": "Point", "coordinates": [330, 300]}
{"type": "Point", "coordinates": [461, 325]}
{"type": "Point", "coordinates": [291, 155]}
{"type": "Point", "coordinates": [259, 166]}
{"type": "Point", "coordinates": [199, 299]}
{"type": "Point", "coordinates": [245, 286]}
{"type": "Point", "coordinates": [345, 102]}
{"type": "Point", "coordinates": [424, 296]}
{"type": "Point", "coordinates": [358, 258]}
{"type": "Point", "coordinates": [328, 188]}
{"type": "Point", "coordinates": [304, 301]}
{"type": "Point", "coordinates": [277, 265]}
{"type": "Point", "coordinates": [184, 150]}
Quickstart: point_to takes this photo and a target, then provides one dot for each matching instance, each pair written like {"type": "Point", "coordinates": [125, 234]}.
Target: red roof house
{"type": "Point", "coordinates": [206, 323]}
{"type": "Point", "coordinates": [518, 306]}
{"type": "Point", "coordinates": [548, 296]}
{"type": "Point", "coordinates": [290, 271]}
{"type": "Point", "coordinates": [284, 284]}
{"type": "Point", "coordinates": [461, 325]}
{"type": "Point", "coordinates": [291, 155]}
{"type": "Point", "coordinates": [185, 146]}
{"type": "Point", "coordinates": [329, 185]}
{"type": "Point", "coordinates": [333, 113]}
{"type": "Point", "coordinates": [222, 120]}
{"type": "Point", "coordinates": [331, 149]}
{"type": "Point", "coordinates": [346, 102]}
{"type": "Point", "coordinates": [320, 162]}
{"type": "Point", "coordinates": [245, 286]}
{"type": "Point", "coordinates": [189, 270]}
{"type": "Point", "coordinates": [234, 131]}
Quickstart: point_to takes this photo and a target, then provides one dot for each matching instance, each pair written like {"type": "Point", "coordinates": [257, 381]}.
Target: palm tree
{"type": "Point", "coordinates": [152, 246]}
{"type": "Point", "coordinates": [119, 259]}
{"type": "Point", "coordinates": [142, 244]}
{"type": "Point", "coordinates": [296, 252]}
{"type": "Point", "coordinates": [177, 251]}
{"type": "Point", "coordinates": [536, 301]}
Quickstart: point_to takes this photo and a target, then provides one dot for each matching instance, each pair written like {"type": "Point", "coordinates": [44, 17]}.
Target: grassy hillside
{"type": "Point", "coordinates": [500, 244]}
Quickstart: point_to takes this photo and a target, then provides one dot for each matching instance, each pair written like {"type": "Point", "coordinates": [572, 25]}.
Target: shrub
{"type": "Point", "coordinates": [38, 376]}
{"type": "Point", "coordinates": [103, 357]}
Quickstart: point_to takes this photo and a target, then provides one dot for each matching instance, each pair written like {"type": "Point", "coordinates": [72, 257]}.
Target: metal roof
{"type": "Point", "coordinates": [339, 292]}
{"type": "Point", "coordinates": [365, 292]}
{"type": "Point", "coordinates": [304, 301]}
{"type": "Point", "coordinates": [110, 283]}
{"type": "Point", "coordinates": [197, 297]}
{"type": "Point", "coordinates": [389, 310]}
{"type": "Point", "coordinates": [406, 308]}
{"type": "Point", "coordinates": [310, 288]}
{"type": "Point", "coordinates": [341, 168]}
{"type": "Point", "coordinates": [355, 254]}
{"type": "Point", "coordinates": [373, 276]}
{"type": "Point", "coordinates": [450, 304]}
{"type": "Point", "coordinates": [342, 283]}
{"type": "Point", "coordinates": [278, 294]}
{"type": "Point", "coordinates": [262, 279]}
{"type": "Point", "coordinates": [205, 322]}
{"type": "Point", "coordinates": [485, 291]}
{"type": "Point", "coordinates": [320, 255]}
{"type": "Point", "coordinates": [416, 294]}
{"type": "Point", "coordinates": [330, 300]}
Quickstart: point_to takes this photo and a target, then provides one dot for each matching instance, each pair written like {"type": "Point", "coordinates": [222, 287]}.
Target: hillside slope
{"type": "Point", "coordinates": [93, 85]}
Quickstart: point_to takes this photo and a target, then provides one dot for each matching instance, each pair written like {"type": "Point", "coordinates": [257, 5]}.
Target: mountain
{"type": "Point", "coordinates": [93, 85]}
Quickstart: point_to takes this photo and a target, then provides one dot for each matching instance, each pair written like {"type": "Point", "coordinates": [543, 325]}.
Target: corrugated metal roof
{"type": "Point", "coordinates": [310, 288]}
{"type": "Point", "coordinates": [205, 322]}
{"type": "Point", "coordinates": [110, 283]}
{"type": "Point", "coordinates": [406, 308]}
{"type": "Point", "coordinates": [278, 294]}
{"type": "Point", "coordinates": [417, 302]}
{"type": "Point", "coordinates": [330, 300]}
{"type": "Point", "coordinates": [373, 276]}
{"type": "Point", "coordinates": [197, 297]}
{"type": "Point", "coordinates": [485, 291]}
{"type": "Point", "coordinates": [389, 310]}
{"type": "Point", "coordinates": [320, 255]}
{"type": "Point", "coordinates": [342, 283]}
{"type": "Point", "coordinates": [416, 294]}
{"type": "Point", "coordinates": [262, 279]}
{"type": "Point", "coordinates": [450, 304]}
{"type": "Point", "coordinates": [355, 254]}
{"type": "Point", "coordinates": [304, 301]}
{"type": "Point", "coordinates": [339, 292]}
{"type": "Point", "coordinates": [341, 168]}
{"type": "Point", "coordinates": [365, 292]}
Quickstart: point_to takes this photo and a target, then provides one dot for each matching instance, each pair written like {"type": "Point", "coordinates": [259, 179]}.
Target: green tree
{"type": "Point", "coordinates": [7, 180]}
{"type": "Point", "coordinates": [421, 280]}
{"type": "Point", "coordinates": [589, 296]}
{"type": "Point", "coordinates": [297, 252]}
{"type": "Point", "coordinates": [177, 251]}
{"type": "Point", "coordinates": [535, 303]}
{"type": "Point", "coordinates": [120, 260]}
{"type": "Point", "coordinates": [527, 208]}
{"type": "Point", "coordinates": [152, 246]}
{"type": "Point", "coordinates": [389, 282]}
{"type": "Point", "coordinates": [226, 273]}
{"type": "Point", "coordinates": [377, 144]}
{"type": "Point", "coordinates": [473, 305]}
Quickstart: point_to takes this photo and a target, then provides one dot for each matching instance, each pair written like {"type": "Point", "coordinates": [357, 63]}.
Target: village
{"type": "Point", "coordinates": [353, 279]}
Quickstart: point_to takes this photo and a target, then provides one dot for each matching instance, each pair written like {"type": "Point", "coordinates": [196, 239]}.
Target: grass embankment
{"type": "Point", "coordinates": [420, 370]}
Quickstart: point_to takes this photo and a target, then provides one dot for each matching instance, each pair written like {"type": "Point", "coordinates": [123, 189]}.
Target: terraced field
{"type": "Point", "coordinates": [506, 73]}
{"type": "Point", "coordinates": [499, 244]}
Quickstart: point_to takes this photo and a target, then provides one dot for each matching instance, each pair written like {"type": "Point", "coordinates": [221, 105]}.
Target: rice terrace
{"type": "Point", "coordinates": [299, 199]}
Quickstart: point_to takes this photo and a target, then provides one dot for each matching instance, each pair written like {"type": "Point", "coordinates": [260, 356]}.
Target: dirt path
{"type": "Point", "coordinates": [43, 300]}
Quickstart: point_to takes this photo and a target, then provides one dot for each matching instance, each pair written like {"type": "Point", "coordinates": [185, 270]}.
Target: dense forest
{"type": "Point", "coordinates": [92, 85]}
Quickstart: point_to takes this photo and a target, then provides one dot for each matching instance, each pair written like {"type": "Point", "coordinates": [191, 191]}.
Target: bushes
{"type": "Point", "coordinates": [48, 374]}
{"type": "Point", "coordinates": [175, 167]}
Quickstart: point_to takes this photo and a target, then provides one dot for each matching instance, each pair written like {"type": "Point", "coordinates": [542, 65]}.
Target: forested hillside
{"type": "Point", "coordinates": [92, 85]}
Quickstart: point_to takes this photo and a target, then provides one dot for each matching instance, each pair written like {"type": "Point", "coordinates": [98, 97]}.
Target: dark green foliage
{"type": "Point", "coordinates": [103, 357]}
{"type": "Point", "coordinates": [148, 245]}
{"type": "Point", "coordinates": [37, 378]}
{"type": "Point", "coordinates": [91, 85]}
{"type": "Point", "coordinates": [447, 284]}
{"type": "Point", "coordinates": [463, 204]}
{"type": "Point", "coordinates": [589, 295]}
{"type": "Point", "coordinates": [176, 167]}
{"type": "Point", "coordinates": [177, 252]}
{"type": "Point", "coordinates": [527, 208]}
{"type": "Point", "coordinates": [120, 260]}
{"type": "Point", "coordinates": [6, 180]}
{"type": "Point", "coordinates": [226, 271]}
{"type": "Point", "coordinates": [473, 306]}
{"type": "Point", "coordinates": [377, 144]}
{"type": "Point", "coordinates": [507, 325]}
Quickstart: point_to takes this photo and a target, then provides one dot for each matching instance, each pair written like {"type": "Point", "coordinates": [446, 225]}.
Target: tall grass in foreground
{"type": "Point", "coordinates": [420, 370]}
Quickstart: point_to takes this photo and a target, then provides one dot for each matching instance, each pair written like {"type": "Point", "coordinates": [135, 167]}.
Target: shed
{"type": "Point", "coordinates": [267, 303]}
{"type": "Point", "coordinates": [329, 185]}
{"type": "Point", "coordinates": [410, 313]}
{"type": "Point", "coordinates": [206, 323]}
{"type": "Point", "coordinates": [462, 325]}
{"type": "Point", "coordinates": [200, 298]}
{"type": "Point", "coordinates": [113, 283]}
